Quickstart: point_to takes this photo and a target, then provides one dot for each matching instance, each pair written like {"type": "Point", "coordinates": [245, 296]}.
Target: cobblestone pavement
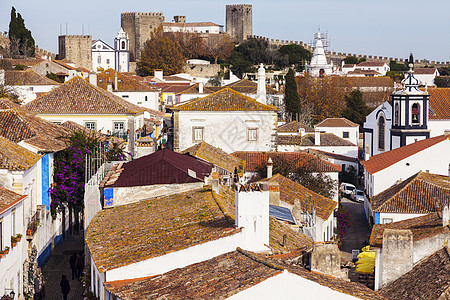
{"type": "Point", "coordinates": [58, 265]}
{"type": "Point", "coordinates": [358, 234]}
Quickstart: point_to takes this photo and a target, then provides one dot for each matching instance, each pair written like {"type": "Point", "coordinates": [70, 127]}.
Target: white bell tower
{"type": "Point", "coordinates": [122, 53]}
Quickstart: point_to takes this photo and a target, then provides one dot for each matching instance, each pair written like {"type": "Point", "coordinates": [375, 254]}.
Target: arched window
{"type": "Point", "coordinates": [397, 114]}
{"type": "Point", "coordinates": [415, 118]}
{"type": "Point", "coordinates": [381, 133]}
{"type": "Point", "coordinates": [321, 72]}
{"type": "Point", "coordinates": [99, 59]}
{"type": "Point", "coordinates": [123, 45]}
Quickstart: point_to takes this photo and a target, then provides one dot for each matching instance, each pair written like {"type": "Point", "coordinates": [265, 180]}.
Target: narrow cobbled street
{"type": "Point", "coordinates": [59, 265]}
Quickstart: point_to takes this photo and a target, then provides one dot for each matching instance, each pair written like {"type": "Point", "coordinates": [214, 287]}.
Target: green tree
{"type": "Point", "coordinates": [394, 66]}
{"type": "Point", "coordinates": [291, 97]}
{"type": "Point", "coordinates": [442, 81]}
{"type": "Point", "coordinates": [162, 51]}
{"type": "Point", "coordinates": [240, 65]}
{"type": "Point", "coordinates": [296, 55]}
{"type": "Point", "coordinates": [353, 60]}
{"type": "Point", "coordinates": [21, 40]}
{"type": "Point", "coordinates": [355, 109]}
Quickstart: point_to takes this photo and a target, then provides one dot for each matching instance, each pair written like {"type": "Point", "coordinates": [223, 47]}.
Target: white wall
{"type": "Point", "coordinates": [385, 110]}
{"type": "Point", "coordinates": [148, 99]}
{"type": "Point", "coordinates": [289, 286]}
{"type": "Point", "coordinates": [199, 29]}
{"type": "Point", "coordinates": [350, 151]}
{"type": "Point", "coordinates": [426, 79]}
{"type": "Point", "coordinates": [228, 130]}
{"type": "Point", "coordinates": [438, 127]}
{"type": "Point", "coordinates": [27, 93]}
{"type": "Point", "coordinates": [339, 132]}
{"type": "Point", "coordinates": [397, 217]}
{"type": "Point", "coordinates": [435, 159]}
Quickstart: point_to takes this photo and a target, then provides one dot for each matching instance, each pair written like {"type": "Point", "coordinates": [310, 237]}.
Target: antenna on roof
{"type": "Point", "coordinates": [66, 28]}
{"type": "Point", "coordinates": [60, 28]}
{"type": "Point", "coordinates": [82, 29]}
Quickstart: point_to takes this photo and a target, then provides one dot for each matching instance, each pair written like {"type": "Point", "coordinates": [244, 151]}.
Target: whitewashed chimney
{"type": "Point", "coordinates": [301, 131]}
{"type": "Point", "coordinates": [93, 78]}
{"type": "Point", "coordinates": [252, 214]}
{"type": "Point", "coordinates": [269, 168]}
{"type": "Point", "coordinates": [2, 77]}
{"type": "Point", "coordinates": [261, 91]}
{"type": "Point", "coordinates": [445, 216]}
{"type": "Point", "coordinates": [200, 87]}
{"type": "Point", "coordinates": [317, 137]}
{"type": "Point", "coordinates": [159, 74]}
{"type": "Point", "coordinates": [109, 87]}
{"type": "Point", "coordinates": [116, 80]}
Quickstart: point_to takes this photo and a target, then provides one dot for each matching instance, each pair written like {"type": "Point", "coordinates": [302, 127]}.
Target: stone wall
{"type": "Point", "coordinates": [202, 70]}
{"type": "Point", "coordinates": [4, 41]}
{"type": "Point", "coordinates": [77, 49]}
{"type": "Point", "coordinates": [337, 57]}
{"type": "Point", "coordinates": [139, 26]}
{"type": "Point", "coordinates": [239, 24]}
{"type": "Point", "coordinates": [397, 254]}
{"type": "Point", "coordinates": [326, 259]}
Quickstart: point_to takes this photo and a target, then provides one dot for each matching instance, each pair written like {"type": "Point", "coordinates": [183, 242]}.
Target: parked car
{"type": "Point", "coordinates": [347, 189]}
{"type": "Point", "coordinates": [358, 196]}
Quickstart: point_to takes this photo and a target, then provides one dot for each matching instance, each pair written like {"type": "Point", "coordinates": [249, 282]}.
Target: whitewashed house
{"type": "Point", "coordinates": [106, 57]}
{"type": "Point", "coordinates": [85, 104]}
{"type": "Point", "coordinates": [380, 67]}
{"type": "Point", "coordinates": [340, 127]}
{"type": "Point", "coordinates": [180, 25]}
{"type": "Point", "coordinates": [384, 170]}
{"type": "Point", "coordinates": [225, 119]}
{"type": "Point", "coordinates": [27, 85]}
{"type": "Point", "coordinates": [426, 76]}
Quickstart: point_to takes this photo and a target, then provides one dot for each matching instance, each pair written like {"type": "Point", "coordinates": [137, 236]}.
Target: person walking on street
{"type": "Point", "coordinates": [79, 264]}
{"type": "Point", "coordinates": [65, 287]}
{"type": "Point", "coordinates": [72, 261]}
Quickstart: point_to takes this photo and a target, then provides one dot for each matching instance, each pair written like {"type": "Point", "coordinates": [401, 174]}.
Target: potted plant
{"type": "Point", "coordinates": [6, 250]}
{"type": "Point", "coordinates": [13, 241]}
{"type": "Point", "coordinates": [2, 253]}
{"type": "Point", "coordinates": [19, 237]}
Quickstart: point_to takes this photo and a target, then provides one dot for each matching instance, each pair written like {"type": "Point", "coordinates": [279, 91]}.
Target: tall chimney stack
{"type": "Point", "coordinates": [93, 78]}
{"type": "Point", "coordinates": [261, 91]}
{"type": "Point", "coordinates": [269, 168]}
{"type": "Point", "coordinates": [317, 137]}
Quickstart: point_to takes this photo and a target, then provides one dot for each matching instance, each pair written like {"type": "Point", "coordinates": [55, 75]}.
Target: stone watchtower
{"type": "Point", "coordinates": [139, 26]}
{"type": "Point", "coordinates": [239, 24]}
{"type": "Point", "coordinates": [77, 49]}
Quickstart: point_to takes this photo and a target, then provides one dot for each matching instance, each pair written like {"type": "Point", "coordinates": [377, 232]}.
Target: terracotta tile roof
{"type": "Point", "coordinates": [216, 156]}
{"type": "Point", "coordinates": [191, 24]}
{"type": "Point", "coordinates": [8, 198]}
{"type": "Point", "coordinates": [290, 190]}
{"type": "Point", "coordinates": [312, 163]}
{"type": "Point", "coordinates": [217, 278]}
{"type": "Point", "coordinates": [14, 157]}
{"type": "Point", "coordinates": [419, 194]}
{"type": "Point", "coordinates": [439, 104]}
{"type": "Point", "coordinates": [64, 64]}
{"type": "Point", "coordinates": [222, 277]}
{"type": "Point", "coordinates": [371, 64]}
{"type": "Point", "coordinates": [6, 103]}
{"type": "Point", "coordinates": [326, 139]}
{"type": "Point", "coordinates": [371, 82]}
{"type": "Point", "coordinates": [348, 65]}
{"type": "Point", "coordinates": [422, 227]}
{"type": "Point", "coordinates": [172, 78]}
{"type": "Point", "coordinates": [294, 126]}
{"type": "Point", "coordinates": [246, 86]}
{"type": "Point", "coordinates": [321, 153]}
{"type": "Point", "coordinates": [429, 71]}
{"type": "Point", "coordinates": [161, 167]}
{"type": "Point", "coordinates": [363, 72]}
{"type": "Point", "coordinates": [336, 122]}
{"type": "Point", "coordinates": [174, 88]}
{"type": "Point", "coordinates": [383, 160]}
{"type": "Point", "coordinates": [77, 96]}
{"type": "Point", "coordinates": [18, 125]}
{"type": "Point", "coordinates": [194, 89]}
{"type": "Point", "coordinates": [29, 62]}
{"type": "Point", "coordinates": [27, 77]}
{"type": "Point", "coordinates": [428, 280]}
{"type": "Point", "coordinates": [135, 232]}
{"type": "Point", "coordinates": [125, 83]}
{"type": "Point", "coordinates": [294, 240]}
{"type": "Point", "coordinates": [225, 100]}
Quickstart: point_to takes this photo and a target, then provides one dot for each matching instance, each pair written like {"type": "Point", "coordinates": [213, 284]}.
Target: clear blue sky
{"type": "Point", "coordinates": [383, 28]}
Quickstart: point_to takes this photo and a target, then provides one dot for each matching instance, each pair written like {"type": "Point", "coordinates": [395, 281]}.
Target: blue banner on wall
{"type": "Point", "coordinates": [45, 181]}
{"type": "Point", "coordinates": [109, 197]}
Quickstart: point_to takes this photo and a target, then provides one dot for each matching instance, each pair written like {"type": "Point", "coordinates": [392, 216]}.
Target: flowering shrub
{"type": "Point", "coordinates": [344, 221]}
{"type": "Point", "coordinates": [29, 272]}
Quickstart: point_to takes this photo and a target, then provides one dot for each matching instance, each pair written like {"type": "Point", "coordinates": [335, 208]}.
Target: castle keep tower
{"type": "Point", "coordinates": [239, 24]}
{"type": "Point", "coordinates": [139, 26]}
{"type": "Point", "coordinates": [77, 49]}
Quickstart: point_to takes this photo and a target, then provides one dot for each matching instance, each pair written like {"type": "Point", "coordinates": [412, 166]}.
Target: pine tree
{"type": "Point", "coordinates": [22, 42]}
{"type": "Point", "coordinates": [356, 109]}
{"type": "Point", "coordinates": [291, 97]}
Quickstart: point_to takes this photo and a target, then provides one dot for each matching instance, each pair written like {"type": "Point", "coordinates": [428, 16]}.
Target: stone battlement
{"type": "Point", "coordinates": [3, 35]}
{"type": "Point", "coordinates": [153, 14]}
{"type": "Point", "coordinates": [342, 55]}
{"type": "Point", "coordinates": [78, 36]}
{"type": "Point", "coordinates": [42, 52]}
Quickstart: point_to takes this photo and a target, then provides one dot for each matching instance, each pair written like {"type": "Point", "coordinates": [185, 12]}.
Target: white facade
{"type": "Point", "coordinates": [350, 134]}
{"type": "Point", "coordinates": [434, 159]}
{"type": "Point", "coordinates": [380, 67]}
{"type": "Point", "coordinates": [121, 52]}
{"type": "Point", "coordinates": [206, 27]}
{"type": "Point", "coordinates": [376, 141]}
{"type": "Point", "coordinates": [103, 56]}
{"type": "Point", "coordinates": [28, 93]}
{"type": "Point", "coordinates": [427, 79]}
{"type": "Point", "coordinates": [228, 130]}
{"type": "Point", "coordinates": [147, 99]}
